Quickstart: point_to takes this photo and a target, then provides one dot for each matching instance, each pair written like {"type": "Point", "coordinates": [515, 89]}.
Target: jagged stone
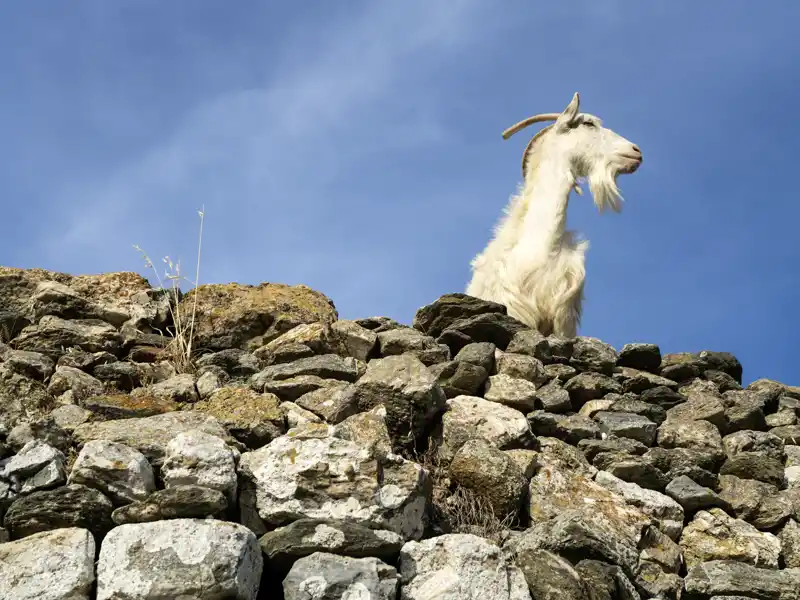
{"type": "Point", "coordinates": [592, 354]}
{"type": "Point", "coordinates": [177, 502]}
{"type": "Point", "coordinates": [571, 428]}
{"type": "Point", "coordinates": [713, 535]}
{"type": "Point", "coordinates": [120, 472]}
{"type": "Point", "coordinates": [692, 496]}
{"type": "Point", "coordinates": [489, 473]}
{"type": "Point", "coordinates": [521, 366]}
{"type": "Point", "coordinates": [553, 398]}
{"type": "Point", "coordinates": [29, 364]}
{"type": "Point", "coordinates": [754, 465]}
{"type": "Point", "coordinates": [197, 458]}
{"type": "Point", "coordinates": [353, 340]}
{"type": "Point", "coordinates": [459, 567]}
{"type": "Point", "coordinates": [424, 347]}
{"type": "Point", "coordinates": [332, 577]}
{"type": "Point", "coordinates": [51, 565]}
{"type": "Point", "coordinates": [150, 435]}
{"type": "Point", "coordinates": [386, 492]}
{"type": "Point", "coordinates": [283, 546]}
{"type": "Point", "coordinates": [733, 578]}
{"type": "Point", "coordinates": [458, 378]}
{"type": "Point", "coordinates": [69, 506]}
{"type": "Point", "coordinates": [409, 392]}
{"type": "Point", "coordinates": [590, 386]}
{"type": "Point", "coordinates": [663, 509]}
{"type": "Point", "coordinates": [480, 354]}
{"type": "Point", "coordinates": [468, 417]}
{"type": "Point", "coordinates": [195, 558]}
{"type": "Point", "coordinates": [627, 425]}
{"type": "Point", "coordinates": [517, 393]}
{"type": "Point", "coordinates": [646, 357]}
{"type": "Point", "coordinates": [252, 418]}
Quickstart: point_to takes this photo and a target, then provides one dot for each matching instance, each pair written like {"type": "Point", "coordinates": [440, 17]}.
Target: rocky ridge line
{"type": "Point", "coordinates": [304, 456]}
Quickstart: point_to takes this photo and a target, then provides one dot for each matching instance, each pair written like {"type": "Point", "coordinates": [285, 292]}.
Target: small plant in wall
{"type": "Point", "coordinates": [180, 346]}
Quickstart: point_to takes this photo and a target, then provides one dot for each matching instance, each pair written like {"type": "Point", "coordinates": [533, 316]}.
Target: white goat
{"type": "Point", "coordinates": [533, 265]}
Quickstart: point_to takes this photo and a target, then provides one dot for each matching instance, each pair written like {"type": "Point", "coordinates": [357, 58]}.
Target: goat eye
{"type": "Point", "coordinates": [588, 123]}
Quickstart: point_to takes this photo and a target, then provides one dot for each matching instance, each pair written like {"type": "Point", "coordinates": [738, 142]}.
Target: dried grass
{"type": "Point", "coordinates": [179, 349]}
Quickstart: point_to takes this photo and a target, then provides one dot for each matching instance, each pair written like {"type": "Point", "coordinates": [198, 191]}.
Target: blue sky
{"type": "Point", "coordinates": [355, 147]}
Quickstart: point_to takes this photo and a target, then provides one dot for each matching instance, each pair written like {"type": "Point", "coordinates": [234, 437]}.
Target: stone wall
{"type": "Point", "coordinates": [299, 456]}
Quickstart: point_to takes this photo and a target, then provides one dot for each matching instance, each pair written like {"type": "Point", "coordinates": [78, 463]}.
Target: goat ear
{"type": "Point", "coordinates": [569, 114]}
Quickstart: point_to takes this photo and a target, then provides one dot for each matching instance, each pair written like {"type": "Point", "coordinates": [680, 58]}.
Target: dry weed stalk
{"type": "Point", "coordinates": [180, 346]}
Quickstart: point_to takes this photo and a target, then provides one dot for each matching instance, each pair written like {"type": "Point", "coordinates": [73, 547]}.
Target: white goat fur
{"type": "Point", "coordinates": [533, 265]}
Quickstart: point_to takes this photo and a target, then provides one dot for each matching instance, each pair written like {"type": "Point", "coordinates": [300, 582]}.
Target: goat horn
{"type": "Point", "coordinates": [529, 121]}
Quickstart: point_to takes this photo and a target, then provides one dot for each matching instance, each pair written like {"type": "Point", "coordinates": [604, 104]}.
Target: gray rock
{"type": "Point", "coordinates": [459, 567]}
{"type": "Point", "coordinates": [178, 502]}
{"type": "Point", "coordinates": [326, 576]}
{"type": "Point", "coordinates": [521, 366]}
{"type": "Point", "coordinates": [713, 535]}
{"type": "Point", "coordinates": [590, 386]}
{"type": "Point", "coordinates": [197, 458]}
{"type": "Point", "coordinates": [37, 466]}
{"type": "Point", "coordinates": [164, 560]}
{"type": "Point", "coordinates": [120, 472]}
{"type": "Point", "coordinates": [602, 580]}
{"type": "Point", "coordinates": [549, 576]}
{"type": "Point", "coordinates": [285, 545]}
{"type": "Point", "coordinates": [646, 357]}
{"type": "Point", "coordinates": [69, 506]}
{"type": "Point", "coordinates": [409, 392]}
{"type": "Point", "coordinates": [754, 465]}
{"type": "Point", "coordinates": [636, 381]}
{"type": "Point", "coordinates": [359, 484]}
{"type": "Point", "coordinates": [353, 339]}
{"type": "Point", "coordinates": [44, 429]}
{"type": "Point", "coordinates": [662, 396]}
{"type": "Point", "coordinates": [744, 410]}
{"type": "Point", "coordinates": [333, 403]}
{"type": "Point", "coordinates": [592, 354]}
{"type": "Point", "coordinates": [782, 418]}
{"type": "Point", "coordinates": [789, 537]}
{"type": "Point", "coordinates": [559, 372]}
{"type": "Point", "coordinates": [665, 511]}
{"type": "Point", "coordinates": [572, 429]}
{"type": "Point", "coordinates": [693, 496]}
{"type": "Point", "coordinates": [234, 361]}
{"type": "Point", "coordinates": [553, 398]}
{"type": "Point", "coordinates": [627, 425]}
{"type": "Point", "coordinates": [458, 378]}
{"type": "Point", "coordinates": [758, 503]}
{"type": "Point", "coordinates": [30, 364]}
{"type": "Point", "coordinates": [700, 407]}
{"type": "Point", "coordinates": [434, 318]}
{"type": "Point", "coordinates": [469, 417]}
{"type": "Point", "coordinates": [593, 447]}
{"type": "Point", "coordinates": [564, 456]}
{"type": "Point", "coordinates": [179, 388]}
{"type": "Point", "coordinates": [69, 416]}
{"type": "Point", "coordinates": [789, 434]}
{"type": "Point", "coordinates": [732, 578]}
{"type": "Point", "coordinates": [633, 469]}
{"type": "Point", "coordinates": [73, 385]}
{"type": "Point", "coordinates": [52, 565]}
{"type": "Point", "coordinates": [754, 441]}
{"type": "Point", "coordinates": [496, 328]}
{"type": "Point", "coordinates": [631, 404]}
{"type": "Point", "coordinates": [480, 354]}
{"type": "Point", "coordinates": [53, 335]}
{"type": "Point", "coordinates": [123, 375]}
{"type": "Point", "coordinates": [489, 473]}
{"type": "Point", "coordinates": [517, 393]}
{"type": "Point", "coordinates": [367, 429]}
{"type": "Point", "coordinates": [150, 435]}
{"type": "Point", "coordinates": [329, 366]}
{"type": "Point", "coordinates": [424, 347]}
{"type": "Point", "coordinates": [698, 435]}
{"type": "Point", "coordinates": [531, 343]}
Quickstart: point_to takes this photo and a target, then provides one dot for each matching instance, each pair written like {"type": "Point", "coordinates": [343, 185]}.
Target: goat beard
{"type": "Point", "coordinates": [603, 185]}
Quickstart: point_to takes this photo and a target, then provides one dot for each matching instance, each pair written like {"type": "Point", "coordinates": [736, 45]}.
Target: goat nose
{"type": "Point", "coordinates": [636, 149]}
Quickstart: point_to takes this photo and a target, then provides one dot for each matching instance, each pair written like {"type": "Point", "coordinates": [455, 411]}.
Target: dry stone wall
{"type": "Point", "coordinates": [300, 456]}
